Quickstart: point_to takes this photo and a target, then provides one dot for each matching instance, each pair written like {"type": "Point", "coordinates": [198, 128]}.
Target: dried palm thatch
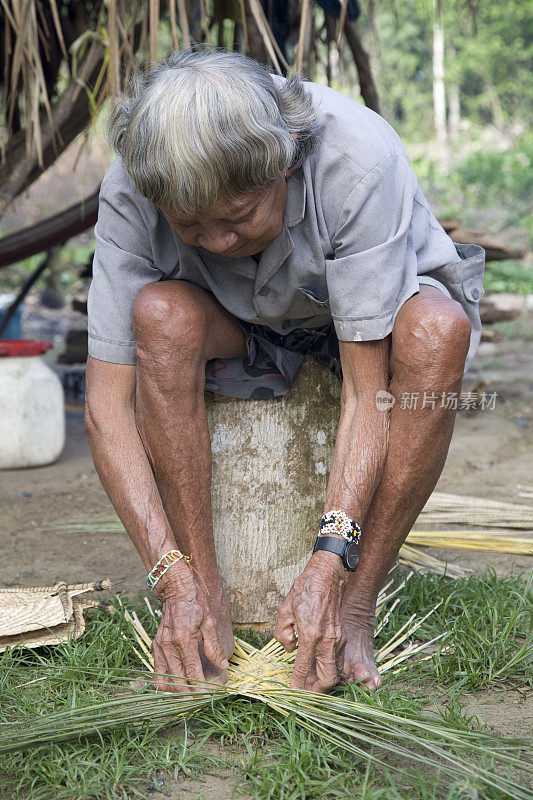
{"type": "Point", "coordinates": [62, 61]}
{"type": "Point", "coordinates": [53, 60]}
{"type": "Point", "coordinates": [41, 615]}
{"type": "Point", "coordinates": [360, 727]}
{"type": "Point", "coordinates": [455, 509]}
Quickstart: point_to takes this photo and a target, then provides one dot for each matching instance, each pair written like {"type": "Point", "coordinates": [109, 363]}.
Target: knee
{"type": "Point", "coordinates": [169, 321]}
{"type": "Point", "coordinates": [433, 344]}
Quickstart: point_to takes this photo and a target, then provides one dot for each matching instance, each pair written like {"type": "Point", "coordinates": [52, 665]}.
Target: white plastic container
{"type": "Point", "coordinates": [32, 408]}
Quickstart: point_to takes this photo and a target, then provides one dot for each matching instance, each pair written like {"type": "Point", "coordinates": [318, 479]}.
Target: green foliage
{"type": "Point", "coordinates": [494, 50]}
{"type": "Point", "coordinates": [492, 190]}
{"type": "Point", "coordinates": [488, 54]}
{"type": "Point", "coordinates": [500, 179]}
{"type": "Point", "coordinates": [509, 276]}
{"type": "Point", "coordinates": [403, 69]}
{"type": "Point", "coordinates": [74, 255]}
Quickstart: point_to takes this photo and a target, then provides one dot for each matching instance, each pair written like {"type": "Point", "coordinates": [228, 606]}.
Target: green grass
{"type": "Point", "coordinates": [490, 626]}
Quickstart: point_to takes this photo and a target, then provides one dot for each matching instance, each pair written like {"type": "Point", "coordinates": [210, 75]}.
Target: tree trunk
{"type": "Point", "coordinates": [271, 459]}
{"type": "Point", "coordinates": [439, 91]}
{"type": "Point", "coordinates": [455, 111]}
{"type": "Point", "coordinates": [454, 103]}
{"type": "Point", "coordinates": [362, 62]}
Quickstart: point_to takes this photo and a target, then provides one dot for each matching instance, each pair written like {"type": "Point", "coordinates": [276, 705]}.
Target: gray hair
{"type": "Point", "coordinates": [208, 125]}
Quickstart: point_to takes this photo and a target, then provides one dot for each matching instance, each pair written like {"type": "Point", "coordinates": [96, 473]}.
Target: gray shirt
{"type": "Point", "coordinates": [358, 238]}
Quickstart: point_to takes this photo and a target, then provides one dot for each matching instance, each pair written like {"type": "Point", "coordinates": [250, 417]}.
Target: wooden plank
{"type": "Point", "coordinates": [494, 249]}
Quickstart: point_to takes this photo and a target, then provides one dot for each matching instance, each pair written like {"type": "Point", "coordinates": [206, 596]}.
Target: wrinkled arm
{"type": "Point", "coordinates": [312, 608]}
{"type": "Point", "coordinates": [362, 435]}
{"type": "Point", "coordinates": [126, 475]}
{"type": "Point", "coordinates": [121, 461]}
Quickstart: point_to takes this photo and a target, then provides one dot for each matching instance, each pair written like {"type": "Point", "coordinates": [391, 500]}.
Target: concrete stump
{"type": "Point", "coordinates": [271, 461]}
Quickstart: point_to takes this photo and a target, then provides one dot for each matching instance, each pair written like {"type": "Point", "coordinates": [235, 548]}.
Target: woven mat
{"type": "Point", "coordinates": [39, 615]}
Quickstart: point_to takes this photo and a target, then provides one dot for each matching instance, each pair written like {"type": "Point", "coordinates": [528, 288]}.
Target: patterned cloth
{"type": "Point", "coordinates": [273, 361]}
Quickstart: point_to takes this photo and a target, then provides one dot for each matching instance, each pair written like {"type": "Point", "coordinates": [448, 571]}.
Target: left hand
{"type": "Point", "coordinates": [311, 612]}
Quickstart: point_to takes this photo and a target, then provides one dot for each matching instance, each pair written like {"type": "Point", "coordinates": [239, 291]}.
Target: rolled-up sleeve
{"type": "Point", "coordinates": [374, 269]}
{"type": "Point", "coordinates": [122, 265]}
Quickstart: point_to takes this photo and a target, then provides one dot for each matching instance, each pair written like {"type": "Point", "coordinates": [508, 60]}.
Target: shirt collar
{"type": "Point", "coordinates": [296, 195]}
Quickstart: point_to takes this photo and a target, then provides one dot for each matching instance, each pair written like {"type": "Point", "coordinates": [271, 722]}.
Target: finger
{"type": "Point", "coordinates": [326, 673]}
{"type": "Point", "coordinates": [212, 647]}
{"type": "Point", "coordinates": [311, 678]}
{"type": "Point", "coordinates": [212, 674]}
{"type": "Point", "coordinates": [192, 664]}
{"type": "Point", "coordinates": [302, 666]}
{"type": "Point", "coordinates": [285, 630]}
{"type": "Point", "coordinates": [176, 668]}
{"type": "Point", "coordinates": [160, 668]}
{"type": "Point", "coordinates": [339, 656]}
{"type": "Point", "coordinates": [169, 671]}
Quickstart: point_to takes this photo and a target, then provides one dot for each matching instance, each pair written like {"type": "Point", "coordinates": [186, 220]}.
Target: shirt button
{"type": "Point", "coordinates": [264, 291]}
{"type": "Point", "coordinates": [475, 293]}
{"type": "Point", "coordinates": [286, 324]}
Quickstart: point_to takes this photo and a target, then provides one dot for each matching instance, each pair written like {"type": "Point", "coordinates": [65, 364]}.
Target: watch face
{"type": "Point", "coordinates": [351, 556]}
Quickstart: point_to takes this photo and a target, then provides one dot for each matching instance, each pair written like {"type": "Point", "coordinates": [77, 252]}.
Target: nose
{"type": "Point", "coordinates": [218, 241]}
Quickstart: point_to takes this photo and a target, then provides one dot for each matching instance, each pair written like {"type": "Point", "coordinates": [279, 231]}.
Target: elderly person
{"type": "Point", "coordinates": [249, 220]}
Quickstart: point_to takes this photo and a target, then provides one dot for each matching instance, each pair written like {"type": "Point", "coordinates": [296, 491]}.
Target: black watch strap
{"type": "Point", "coordinates": [331, 544]}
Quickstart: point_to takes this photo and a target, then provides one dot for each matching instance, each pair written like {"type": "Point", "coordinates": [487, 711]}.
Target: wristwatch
{"type": "Point", "coordinates": [348, 551]}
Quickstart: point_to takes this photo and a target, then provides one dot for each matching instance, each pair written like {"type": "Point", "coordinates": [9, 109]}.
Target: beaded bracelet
{"type": "Point", "coordinates": [164, 563]}
{"type": "Point", "coordinates": [339, 522]}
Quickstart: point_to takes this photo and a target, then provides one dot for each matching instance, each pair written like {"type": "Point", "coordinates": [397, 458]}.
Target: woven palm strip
{"type": "Point", "coordinates": [38, 615]}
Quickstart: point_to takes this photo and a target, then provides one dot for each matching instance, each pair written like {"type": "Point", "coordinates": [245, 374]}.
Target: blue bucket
{"type": "Point", "coordinates": [14, 329]}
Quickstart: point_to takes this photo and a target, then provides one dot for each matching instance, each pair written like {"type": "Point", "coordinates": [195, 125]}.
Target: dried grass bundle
{"type": "Point", "coordinates": [424, 562]}
{"type": "Point", "coordinates": [473, 540]}
{"type": "Point", "coordinates": [455, 509]}
{"type": "Point", "coordinates": [441, 508]}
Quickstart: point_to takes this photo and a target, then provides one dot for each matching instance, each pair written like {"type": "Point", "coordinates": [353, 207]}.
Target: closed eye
{"type": "Point", "coordinates": [187, 225]}
{"type": "Point", "coordinates": [247, 218]}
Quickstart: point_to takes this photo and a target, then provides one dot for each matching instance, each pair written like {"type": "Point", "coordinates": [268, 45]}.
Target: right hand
{"type": "Point", "coordinates": [186, 625]}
